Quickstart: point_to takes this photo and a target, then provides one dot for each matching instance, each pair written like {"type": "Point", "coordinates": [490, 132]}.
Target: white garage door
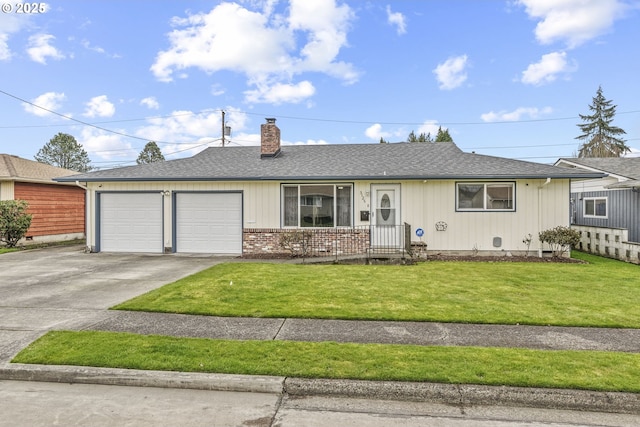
{"type": "Point", "coordinates": [131, 222]}
{"type": "Point", "coordinates": [209, 223]}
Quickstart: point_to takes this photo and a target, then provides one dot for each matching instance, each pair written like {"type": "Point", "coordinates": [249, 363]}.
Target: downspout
{"type": "Point", "coordinates": [87, 229]}
{"type": "Point", "coordinates": [540, 188]}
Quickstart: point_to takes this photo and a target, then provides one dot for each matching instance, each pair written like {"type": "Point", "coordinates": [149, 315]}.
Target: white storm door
{"type": "Point", "coordinates": [209, 223]}
{"type": "Point", "coordinates": [131, 222]}
{"type": "Point", "coordinates": [386, 231]}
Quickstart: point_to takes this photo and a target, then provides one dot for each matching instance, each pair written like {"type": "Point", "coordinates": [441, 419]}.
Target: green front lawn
{"type": "Point", "coordinates": [602, 292]}
{"type": "Point", "coordinates": [592, 370]}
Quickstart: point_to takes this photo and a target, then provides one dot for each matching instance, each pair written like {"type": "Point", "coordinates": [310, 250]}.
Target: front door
{"type": "Point", "coordinates": [385, 216]}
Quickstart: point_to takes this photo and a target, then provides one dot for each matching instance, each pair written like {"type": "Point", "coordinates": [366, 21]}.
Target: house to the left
{"type": "Point", "coordinates": [57, 208]}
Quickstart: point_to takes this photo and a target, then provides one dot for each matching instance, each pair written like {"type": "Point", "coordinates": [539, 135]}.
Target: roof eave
{"type": "Point", "coordinates": [337, 177]}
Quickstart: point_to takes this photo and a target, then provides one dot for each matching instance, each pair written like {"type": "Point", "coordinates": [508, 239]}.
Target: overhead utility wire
{"type": "Point", "coordinates": [281, 116]}
{"type": "Point", "coordinates": [80, 121]}
{"type": "Point", "coordinates": [287, 117]}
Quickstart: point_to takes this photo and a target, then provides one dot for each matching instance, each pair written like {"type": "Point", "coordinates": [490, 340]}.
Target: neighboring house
{"type": "Point", "coordinates": [58, 209]}
{"type": "Point", "coordinates": [351, 197]}
{"type": "Point", "coordinates": [607, 210]}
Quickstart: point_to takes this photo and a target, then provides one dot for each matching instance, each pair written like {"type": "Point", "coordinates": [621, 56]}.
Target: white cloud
{"type": "Point", "coordinates": [261, 45]}
{"type": "Point", "coordinates": [375, 132]}
{"type": "Point", "coordinates": [150, 102]}
{"type": "Point", "coordinates": [40, 48]}
{"type": "Point", "coordinates": [451, 73]}
{"type": "Point", "coordinates": [10, 23]}
{"type": "Point", "coordinates": [87, 45]}
{"type": "Point", "coordinates": [429, 127]}
{"type": "Point", "coordinates": [278, 93]}
{"type": "Point", "coordinates": [48, 101]}
{"type": "Point", "coordinates": [573, 21]}
{"type": "Point", "coordinates": [99, 106]}
{"type": "Point", "coordinates": [189, 133]}
{"type": "Point", "coordinates": [547, 69]}
{"type": "Point", "coordinates": [307, 142]}
{"type": "Point", "coordinates": [397, 19]}
{"type": "Point", "coordinates": [521, 113]}
{"type": "Point", "coordinates": [5, 52]}
{"type": "Point", "coordinates": [217, 90]}
{"type": "Point", "coordinates": [105, 145]}
{"type": "Point", "coordinates": [182, 134]}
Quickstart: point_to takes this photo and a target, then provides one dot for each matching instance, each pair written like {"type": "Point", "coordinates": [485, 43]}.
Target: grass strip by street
{"type": "Point", "coordinates": [599, 293]}
{"type": "Point", "coordinates": [587, 370]}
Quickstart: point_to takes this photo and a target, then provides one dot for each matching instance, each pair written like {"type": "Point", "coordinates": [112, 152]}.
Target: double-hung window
{"type": "Point", "coordinates": [317, 205]}
{"type": "Point", "coordinates": [595, 207]}
{"type": "Point", "coordinates": [485, 196]}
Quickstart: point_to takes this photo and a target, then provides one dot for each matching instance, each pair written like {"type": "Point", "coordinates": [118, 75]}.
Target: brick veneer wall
{"type": "Point", "coordinates": [334, 241]}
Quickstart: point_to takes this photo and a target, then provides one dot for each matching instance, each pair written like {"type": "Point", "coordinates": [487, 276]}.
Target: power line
{"type": "Point", "coordinates": [317, 119]}
{"type": "Point", "coordinates": [83, 122]}
{"type": "Point", "coordinates": [95, 125]}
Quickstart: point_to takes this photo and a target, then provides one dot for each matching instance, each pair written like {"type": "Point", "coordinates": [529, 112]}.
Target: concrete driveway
{"type": "Point", "coordinates": [60, 287]}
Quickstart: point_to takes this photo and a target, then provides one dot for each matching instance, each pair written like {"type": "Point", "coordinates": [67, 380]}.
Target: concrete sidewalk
{"type": "Point", "coordinates": [536, 337]}
{"type": "Point", "coordinates": [382, 332]}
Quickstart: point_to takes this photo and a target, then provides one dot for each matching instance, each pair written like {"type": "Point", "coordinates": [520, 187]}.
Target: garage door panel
{"type": "Point", "coordinates": [209, 223]}
{"type": "Point", "coordinates": [131, 222]}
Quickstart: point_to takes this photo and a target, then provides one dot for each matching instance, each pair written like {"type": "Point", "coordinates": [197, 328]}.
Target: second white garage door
{"type": "Point", "coordinates": [208, 223]}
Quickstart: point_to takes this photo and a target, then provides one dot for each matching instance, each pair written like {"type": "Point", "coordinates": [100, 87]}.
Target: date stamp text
{"type": "Point", "coordinates": [23, 8]}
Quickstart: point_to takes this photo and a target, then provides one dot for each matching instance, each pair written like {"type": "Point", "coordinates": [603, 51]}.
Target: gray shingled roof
{"type": "Point", "coordinates": [341, 161]}
{"type": "Point", "coordinates": [628, 167]}
{"type": "Point", "coordinates": [14, 168]}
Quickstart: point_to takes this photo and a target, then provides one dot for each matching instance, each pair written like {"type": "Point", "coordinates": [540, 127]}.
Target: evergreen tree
{"type": "Point", "coordinates": [150, 153]}
{"type": "Point", "coordinates": [420, 138]}
{"type": "Point", "coordinates": [64, 151]}
{"type": "Point", "coordinates": [443, 135]}
{"type": "Point", "coordinates": [601, 138]}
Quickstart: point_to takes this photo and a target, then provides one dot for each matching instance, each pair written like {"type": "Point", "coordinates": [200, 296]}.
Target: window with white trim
{"type": "Point", "coordinates": [595, 207]}
{"type": "Point", "coordinates": [485, 196]}
{"type": "Point", "coordinates": [317, 205]}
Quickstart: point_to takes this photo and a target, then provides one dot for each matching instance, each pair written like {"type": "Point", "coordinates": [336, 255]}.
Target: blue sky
{"type": "Point", "coordinates": [506, 78]}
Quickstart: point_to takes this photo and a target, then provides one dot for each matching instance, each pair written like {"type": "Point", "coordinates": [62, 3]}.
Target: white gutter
{"type": "Point", "coordinates": [87, 228]}
{"type": "Point", "coordinates": [540, 188]}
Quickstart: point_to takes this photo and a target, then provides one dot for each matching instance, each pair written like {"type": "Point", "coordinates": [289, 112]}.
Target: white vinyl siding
{"type": "Point", "coordinates": [538, 206]}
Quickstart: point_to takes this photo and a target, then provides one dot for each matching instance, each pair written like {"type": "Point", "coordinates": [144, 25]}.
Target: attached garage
{"type": "Point", "coordinates": [130, 222]}
{"type": "Point", "coordinates": [208, 222]}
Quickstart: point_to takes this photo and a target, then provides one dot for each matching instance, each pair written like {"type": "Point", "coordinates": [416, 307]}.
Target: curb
{"type": "Point", "coordinates": [462, 395]}
{"type": "Point", "coordinates": [141, 378]}
{"type": "Point", "coordinates": [466, 395]}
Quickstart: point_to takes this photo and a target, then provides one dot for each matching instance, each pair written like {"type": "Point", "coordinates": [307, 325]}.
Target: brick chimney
{"type": "Point", "coordinates": [269, 139]}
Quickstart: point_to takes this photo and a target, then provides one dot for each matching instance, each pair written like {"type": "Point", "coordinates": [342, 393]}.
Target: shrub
{"type": "Point", "coordinates": [560, 239]}
{"type": "Point", "coordinates": [14, 221]}
{"type": "Point", "coordinates": [297, 242]}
